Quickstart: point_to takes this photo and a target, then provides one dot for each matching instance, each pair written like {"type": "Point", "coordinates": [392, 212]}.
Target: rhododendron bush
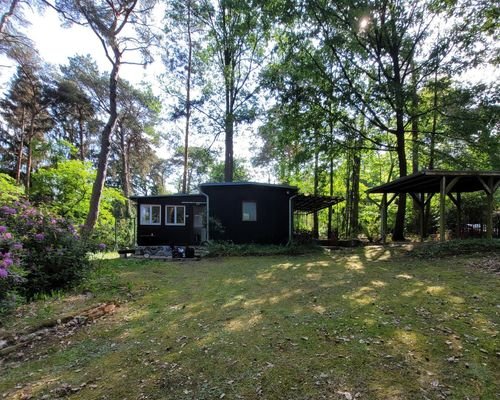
{"type": "Point", "coordinates": [40, 252]}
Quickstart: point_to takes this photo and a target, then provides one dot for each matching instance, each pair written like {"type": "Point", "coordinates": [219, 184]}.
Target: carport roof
{"type": "Point", "coordinates": [429, 182]}
{"type": "Point", "coordinates": [309, 203]}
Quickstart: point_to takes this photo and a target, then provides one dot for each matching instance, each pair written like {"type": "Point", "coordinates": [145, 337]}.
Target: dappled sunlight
{"type": "Point", "coordinates": [235, 301]}
{"type": "Point", "coordinates": [319, 309]}
{"type": "Point", "coordinates": [377, 253]}
{"type": "Point", "coordinates": [282, 296]}
{"type": "Point", "coordinates": [233, 281]}
{"type": "Point", "coordinates": [363, 296]}
{"type": "Point", "coordinates": [243, 323]}
{"type": "Point", "coordinates": [404, 276]}
{"type": "Point", "coordinates": [265, 276]}
{"type": "Point", "coordinates": [285, 266]}
{"type": "Point", "coordinates": [378, 284]}
{"type": "Point", "coordinates": [315, 264]}
{"type": "Point", "coordinates": [135, 315]}
{"type": "Point", "coordinates": [314, 276]}
{"type": "Point", "coordinates": [408, 338]}
{"type": "Point", "coordinates": [435, 289]}
{"type": "Point", "coordinates": [354, 263]}
{"type": "Point", "coordinates": [456, 299]}
{"type": "Point", "coordinates": [411, 293]}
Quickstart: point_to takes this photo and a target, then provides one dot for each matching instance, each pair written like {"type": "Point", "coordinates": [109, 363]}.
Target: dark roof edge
{"type": "Point", "coordinates": [283, 186]}
{"type": "Point", "coordinates": [160, 196]}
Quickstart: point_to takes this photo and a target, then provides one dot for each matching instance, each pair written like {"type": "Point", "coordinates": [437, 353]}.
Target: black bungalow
{"type": "Point", "coordinates": [171, 220]}
{"type": "Point", "coordinates": [240, 212]}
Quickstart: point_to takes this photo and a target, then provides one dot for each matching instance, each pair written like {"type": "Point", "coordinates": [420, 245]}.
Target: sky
{"type": "Point", "coordinates": [55, 44]}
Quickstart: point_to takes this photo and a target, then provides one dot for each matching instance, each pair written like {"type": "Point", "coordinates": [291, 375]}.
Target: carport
{"type": "Point", "coordinates": [423, 185]}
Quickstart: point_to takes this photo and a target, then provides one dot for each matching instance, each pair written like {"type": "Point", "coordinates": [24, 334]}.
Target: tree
{"type": "Point", "coordinates": [25, 109]}
{"type": "Point", "coordinates": [136, 135]}
{"type": "Point", "coordinates": [110, 21]}
{"type": "Point", "coordinates": [73, 113]}
{"type": "Point", "coordinates": [237, 32]}
{"type": "Point", "coordinates": [183, 48]}
{"type": "Point", "coordinates": [217, 172]}
{"type": "Point", "coordinates": [378, 46]}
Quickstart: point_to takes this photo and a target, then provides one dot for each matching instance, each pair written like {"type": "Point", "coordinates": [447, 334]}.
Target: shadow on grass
{"type": "Point", "coordinates": [365, 324]}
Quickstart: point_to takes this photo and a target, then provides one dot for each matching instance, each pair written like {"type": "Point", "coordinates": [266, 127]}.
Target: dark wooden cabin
{"type": "Point", "coordinates": [239, 212]}
{"type": "Point", "coordinates": [243, 212]}
{"type": "Point", "coordinates": [171, 219]}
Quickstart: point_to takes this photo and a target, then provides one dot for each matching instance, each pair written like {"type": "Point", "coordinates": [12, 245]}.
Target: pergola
{"type": "Point", "coordinates": [423, 185]}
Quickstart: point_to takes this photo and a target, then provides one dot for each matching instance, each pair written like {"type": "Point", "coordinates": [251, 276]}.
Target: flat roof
{"type": "Point", "coordinates": [161, 196]}
{"type": "Point", "coordinates": [279, 185]}
{"type": "Point", "coordinates": [428, 181]}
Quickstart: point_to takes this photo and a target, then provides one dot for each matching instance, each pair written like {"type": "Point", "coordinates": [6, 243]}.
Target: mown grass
{"type": "Point", "coordinates": [369, 323]}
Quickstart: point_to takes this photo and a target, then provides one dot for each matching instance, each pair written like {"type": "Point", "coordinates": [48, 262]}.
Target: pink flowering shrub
{"type": "Point", "coordinates": [45, 247]}
{"type": "Point", "coordinates": [10, 270]}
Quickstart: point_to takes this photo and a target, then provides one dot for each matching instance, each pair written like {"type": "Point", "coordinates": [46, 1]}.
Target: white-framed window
{"type": "Point", "coordinates": [175, 215]}
{"type": "Point", "coordinates": [249, 211]}
{"type": "Point", "coordinates": [150, 214]}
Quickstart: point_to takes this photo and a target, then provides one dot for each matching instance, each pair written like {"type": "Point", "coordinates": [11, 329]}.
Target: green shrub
{"type": "Point", "coordinates": [224, 249]}
{"type": "Point", "coordinates": [456, 247]}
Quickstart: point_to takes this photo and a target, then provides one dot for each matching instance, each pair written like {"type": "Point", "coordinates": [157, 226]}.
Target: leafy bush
{"type": "Point", "coordinates": [10, 271]}
{"type": "Point", "coordinates": [52, 256]}
{"type": "Point", "coordinates": [9, 191]}
{"type": "Point", "coordinates": [221, 249]}
{"type": "Point", "coordinates": [65, 190]}
{"type": "Point", "coordinates": [456, 247]}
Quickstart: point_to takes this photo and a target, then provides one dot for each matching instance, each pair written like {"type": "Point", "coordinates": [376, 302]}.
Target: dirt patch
{"type": "Point", "coordinates": [60, 327]}
{"type": "Point", "coordinates": [487, 264]}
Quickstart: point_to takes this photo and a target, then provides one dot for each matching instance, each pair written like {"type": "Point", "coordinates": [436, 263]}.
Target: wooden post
{"type": "Point", "coordinates": [489, 210]}
{"type": "Point", "coordinates": [383, 215]}
{"type": "Point", "coordinates": [442, 200]}
{"type": "Point", "coordinates": [421, 206]}
{"type": "Point", "coordinates": [459, 214]}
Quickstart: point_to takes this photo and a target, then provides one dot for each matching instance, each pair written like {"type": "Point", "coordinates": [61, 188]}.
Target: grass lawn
{"type": "Point", "coordinates": [369, 323]}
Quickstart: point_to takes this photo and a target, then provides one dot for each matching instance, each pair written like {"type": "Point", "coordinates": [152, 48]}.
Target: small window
{"type": "Point", "coordinates": [175, 215]}
{"type": "Point", "coordinates": [150, 214]}
{"type": "Point", "coordinates": [249, 211]}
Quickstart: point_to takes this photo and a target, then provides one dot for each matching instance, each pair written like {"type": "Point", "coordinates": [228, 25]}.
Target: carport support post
{"type": "Point", "coordinates": [459, 214]}
{"type": "Point", "coordinates": [421, 217]}
{"type": "Point", "coordinates": [489, 210]}
{"type": "Point", "coordinates": [442, 219]}
{"type": "Point", "coordinates": [383, 215]}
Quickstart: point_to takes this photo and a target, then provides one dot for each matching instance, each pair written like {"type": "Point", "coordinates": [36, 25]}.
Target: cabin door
{"type": "Point", "coordinates": [200, 224]}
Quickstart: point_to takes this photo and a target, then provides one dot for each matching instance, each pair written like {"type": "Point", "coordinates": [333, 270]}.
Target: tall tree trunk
{"type": "Point", "coordinates": [80, 136]}
{"type": "Point", "coordinates": [432, 149]}
{"type": "Point", "coordinates": [229, 83]}
{"type": "Point", "coordinates": [415, 145]}
{"type": "Point", "coordinates": [19, 162]}
{"type": "Point", "coordinates": [399, 226]}
{"type": "Point", "coordinates": [316, 184]}
{"type": "Point", "coordinates": [188, 100]}
{"type": "Point", "coordinates": [125, 148]}
{"type": "Point", "coordinates": [102, 163]}
{"type": "Point", "coordinates": [29, 160]}
{"type": "Point", "coordinates": [330, 208]}
{"type": "Point", "coordinates": [356, 172]}
{"type": "Point", "coordinates": [228, 163]}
